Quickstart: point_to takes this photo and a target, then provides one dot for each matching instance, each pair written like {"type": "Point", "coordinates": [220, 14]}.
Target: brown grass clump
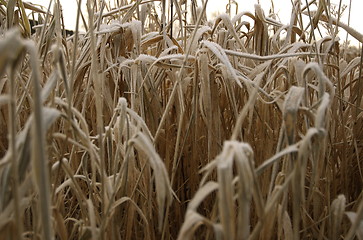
{"type": "Point", "coordinates": [155, 127]}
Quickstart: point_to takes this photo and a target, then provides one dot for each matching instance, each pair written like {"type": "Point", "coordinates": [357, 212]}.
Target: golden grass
{"type": "Point", "coordinates": [146, 128]}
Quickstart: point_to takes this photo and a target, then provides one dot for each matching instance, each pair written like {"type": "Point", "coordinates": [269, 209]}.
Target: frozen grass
{"type": "Point", "coordinates": [241, 128]}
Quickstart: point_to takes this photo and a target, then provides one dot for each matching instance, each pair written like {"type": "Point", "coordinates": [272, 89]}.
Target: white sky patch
{"type": "Point", "coordinates": [281, 7]}
{"type": "Point", "coordinates": [69, 8]}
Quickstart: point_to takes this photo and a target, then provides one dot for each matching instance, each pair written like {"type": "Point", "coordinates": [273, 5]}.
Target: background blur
{"type": "Point", "coordinates": [281, 7]}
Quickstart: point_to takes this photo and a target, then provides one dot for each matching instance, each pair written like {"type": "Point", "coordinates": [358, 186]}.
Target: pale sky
{"type": "Point", "coordinates": [282, 7]}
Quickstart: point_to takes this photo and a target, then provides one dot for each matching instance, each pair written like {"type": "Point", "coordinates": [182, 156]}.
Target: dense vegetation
{"type": "Point", "coordinates": [147, 127]}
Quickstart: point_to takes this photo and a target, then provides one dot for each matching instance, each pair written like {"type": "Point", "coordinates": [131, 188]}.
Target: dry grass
{"type": "Point", "coordinates": [223, 130]}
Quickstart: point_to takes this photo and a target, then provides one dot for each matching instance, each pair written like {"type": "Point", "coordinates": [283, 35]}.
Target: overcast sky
{"type": "Point", "coordinates": [282, 7]}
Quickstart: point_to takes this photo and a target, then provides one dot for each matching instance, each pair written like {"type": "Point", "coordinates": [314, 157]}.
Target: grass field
{"type": "Point", "coordinates": [142, 127]}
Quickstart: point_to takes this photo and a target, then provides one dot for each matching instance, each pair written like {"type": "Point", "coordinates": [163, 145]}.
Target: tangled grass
{"type": "Point", "coordinates": [142, 128]}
